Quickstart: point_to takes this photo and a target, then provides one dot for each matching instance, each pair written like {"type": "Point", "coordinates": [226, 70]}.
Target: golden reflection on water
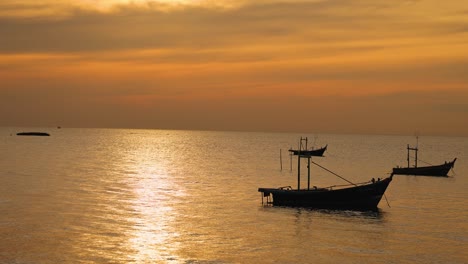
{"type": "Point", "coordinates": [152, 236]}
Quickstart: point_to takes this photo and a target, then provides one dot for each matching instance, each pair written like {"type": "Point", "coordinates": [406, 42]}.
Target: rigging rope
{"type": "Point", "coordinates": [333, 173]}
{"type": "Point", "coordinates": [423, 161]}
{"type": "Point", "coordinates": [454, 173]}
{"type": "Point", "coordinates": [347, 180]}
{"type": "Point", "coordinates": [386, 200]}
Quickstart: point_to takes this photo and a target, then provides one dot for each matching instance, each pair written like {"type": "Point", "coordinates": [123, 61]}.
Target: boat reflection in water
{"type": "Point", "coordinates": [362, 196]}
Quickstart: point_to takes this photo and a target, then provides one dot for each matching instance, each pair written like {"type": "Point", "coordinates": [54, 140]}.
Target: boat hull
{"type": "Point", "coordinates": [315, 152]}
{"type": "Point", "coordinates": [362, 197]}
{"type": "Point", "coordinates": [437, 170]}
{"type": "Point", "coordinates": [40, 134]}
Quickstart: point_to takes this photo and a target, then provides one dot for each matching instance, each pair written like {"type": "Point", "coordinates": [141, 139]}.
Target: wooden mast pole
{"type": "Point", "coordinates": [290, 159]}
{"type": "Point", "coordinates": [407, 151]}
{"type": "Point", "coordinates": [299, 166]}
{"type": "Point", "coordinates": [308, 172]}
{"type": "Point", "coordinates": [416, 153]}
{"type": "Point", "coordinates": [308, 169]}
{"type": "Point", "coordinates": [281, 161]}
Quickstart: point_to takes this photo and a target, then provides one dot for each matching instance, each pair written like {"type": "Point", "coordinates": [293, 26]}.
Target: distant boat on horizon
{"type": "Point", "coordinates": [41, 134]}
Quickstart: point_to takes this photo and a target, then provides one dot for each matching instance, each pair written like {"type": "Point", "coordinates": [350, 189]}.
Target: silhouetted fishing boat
{"type": "Point", "coordinates": [32, 134]}
{"type": "Point", "coordinates": [432, 170]}
{"type": "Point", "coordinates": [313, 152]}
{"type": "Point", "coordinates": [365, 196]}
{"type": "Point", "coordinates": [362, 196]}
{"type": "Point", "coordinates": [435, 170]}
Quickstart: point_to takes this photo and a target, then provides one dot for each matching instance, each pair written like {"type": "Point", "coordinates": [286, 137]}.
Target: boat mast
{"type": "Point", "coordinates": [299, 166]}
{"type": "Point", "coordinates": [415, 154]}
{"type": "Point", "coordinates": [407, 153]}
{"type": "Point", "coordinates": [308, 172]}
{"type": "Point", "coordinates": [308, 169]}
{"type": "Point", "coordinates": [299, 156]}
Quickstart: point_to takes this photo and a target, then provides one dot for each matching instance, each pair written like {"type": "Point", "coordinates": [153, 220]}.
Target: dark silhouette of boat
{"type": "Point", "coordinates": [435, 170]}
{"type": "Point", "coordinates": [365, 196]}
{"type": "Point", "coordinates": [362, 196]}
{"type": "Point", "coordinates": [313, 152]}
{"type": "Point", "coordinates": [432, 170]}
{"type": "Point", "coordinates": [40, 134]}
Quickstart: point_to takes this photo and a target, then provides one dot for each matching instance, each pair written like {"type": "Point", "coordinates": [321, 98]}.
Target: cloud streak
{"type": "Point", "coordinates": [135, 27]}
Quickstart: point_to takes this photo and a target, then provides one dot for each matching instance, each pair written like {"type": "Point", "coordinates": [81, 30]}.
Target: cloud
{"type": "Point", "coordinates": [322, 39]}
{"type": "Point", "coordinates": [147, 26]}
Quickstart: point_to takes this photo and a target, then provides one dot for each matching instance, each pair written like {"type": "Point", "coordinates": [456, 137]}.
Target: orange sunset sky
{"type": "Point", "coordinates": [318, 66]}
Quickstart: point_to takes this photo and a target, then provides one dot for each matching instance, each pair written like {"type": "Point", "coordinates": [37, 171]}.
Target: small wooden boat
{"type": "Point", "coordinates": [363, 196]}
{"type": "Point", "coordinates": [313, 152]}
{"type": "Point", "coordinates": [433, 170]}
{"type": "Point", "coordinates": [40, 134]}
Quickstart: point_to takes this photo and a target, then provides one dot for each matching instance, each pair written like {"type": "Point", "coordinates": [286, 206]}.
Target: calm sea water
{"type": "Point", "coordinates": [161, 196]}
